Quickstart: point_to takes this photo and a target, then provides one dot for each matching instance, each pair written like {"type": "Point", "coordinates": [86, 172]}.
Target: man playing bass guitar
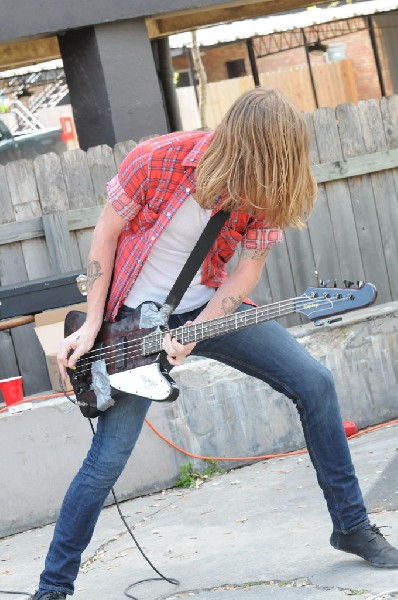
{"type": "Point", "coordinates": [255, 165]}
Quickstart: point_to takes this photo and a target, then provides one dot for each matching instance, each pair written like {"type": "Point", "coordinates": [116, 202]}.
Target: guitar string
{"type": "Point", "coordinates": [250, 317]}
{"type": "Point", "coordinates": [212, 327]}
{"type": "Point", "coordinates": [212, 330]}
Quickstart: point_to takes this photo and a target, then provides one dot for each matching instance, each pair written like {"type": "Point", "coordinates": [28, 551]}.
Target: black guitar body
{"type": "Point", "coordinates": [120, 345]}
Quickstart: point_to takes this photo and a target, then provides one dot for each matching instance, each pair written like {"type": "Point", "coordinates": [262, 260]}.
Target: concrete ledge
{"type": "Point", "coordinates": [220, 412]}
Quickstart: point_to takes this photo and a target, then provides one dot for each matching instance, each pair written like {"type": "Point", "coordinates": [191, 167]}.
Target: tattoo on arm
{"type": "Point", "coordinates": [254, 254]}
{"type": "Point", "coordinates": [93, 272]}
{"type": "Point", "coordinates": [230, 304]}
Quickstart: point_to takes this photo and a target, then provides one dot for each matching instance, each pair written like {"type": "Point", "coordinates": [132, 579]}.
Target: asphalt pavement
{"type": "Point", "coordinates": [258, 532]}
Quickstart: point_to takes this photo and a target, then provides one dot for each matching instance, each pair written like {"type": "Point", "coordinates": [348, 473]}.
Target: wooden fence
{"type": "Point", "coordinates": [49, 206]}
{"type": "Point", "coordinates": [335, 84]}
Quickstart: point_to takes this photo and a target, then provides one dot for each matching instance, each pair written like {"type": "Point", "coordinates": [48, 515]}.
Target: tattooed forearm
{"type": "Point", "coordinates": [253, 254]}
{"type": "Point", "coordinates": [230, 304]}
{"type": "Point", "coordinates": [93, 272]}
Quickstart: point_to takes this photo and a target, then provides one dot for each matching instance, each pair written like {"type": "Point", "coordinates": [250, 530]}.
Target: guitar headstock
{"type": "Point", "coordinates": [322, 302]}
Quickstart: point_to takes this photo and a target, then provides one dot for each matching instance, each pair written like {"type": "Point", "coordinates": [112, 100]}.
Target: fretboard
{"type": "Point", "coordinates": [208, 329]}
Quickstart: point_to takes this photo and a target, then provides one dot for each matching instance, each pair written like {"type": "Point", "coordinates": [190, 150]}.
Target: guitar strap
{"type": "Point", "coordinates": [194, 261]}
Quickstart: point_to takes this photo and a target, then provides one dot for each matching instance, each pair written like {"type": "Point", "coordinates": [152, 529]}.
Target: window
{"type": "Point", "coordinates": [236, 68]}
{"type": "Point", "coordinates": [183, 78]}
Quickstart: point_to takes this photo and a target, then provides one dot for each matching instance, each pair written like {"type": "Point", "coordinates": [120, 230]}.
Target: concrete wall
{"type": "Point", "coordinates": [219, 412]}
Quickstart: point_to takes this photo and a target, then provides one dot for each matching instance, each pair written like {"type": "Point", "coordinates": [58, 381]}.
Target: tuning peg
{"type": "Point", "coordinates": [360, 284]}
{"type": "Point", "coordinates": [347, 283]}
{"type": "Point", "coordinates": [324, 282]}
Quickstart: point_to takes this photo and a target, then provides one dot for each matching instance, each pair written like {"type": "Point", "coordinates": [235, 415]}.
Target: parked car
{"type": "Point", "coordinates": [29, 144]}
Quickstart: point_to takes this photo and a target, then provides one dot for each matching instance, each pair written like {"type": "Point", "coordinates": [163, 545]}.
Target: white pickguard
{"type": "Point", "coordinates": [146, 381]}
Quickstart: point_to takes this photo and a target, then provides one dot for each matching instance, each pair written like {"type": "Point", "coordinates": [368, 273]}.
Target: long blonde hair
{"type": "Point", "coordinates": [258, 161]}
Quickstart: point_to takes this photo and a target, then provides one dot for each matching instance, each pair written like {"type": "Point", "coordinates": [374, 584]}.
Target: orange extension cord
{"type": "Point", "coordinates": [191, 455]}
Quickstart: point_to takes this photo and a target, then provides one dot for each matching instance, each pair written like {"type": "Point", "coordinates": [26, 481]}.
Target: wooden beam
{"type": "Point", "coordinates": [83, 218]}
{"type": "Point", "coordinates": [187, 20]}
{"type": "Point", "coordinates": [28, 52]}
{"type": "Point", "coordinates": [16, 322]}
{"type": "Point", "coordinates": [358, 165]}
{"type": "Point", "coordinates": [77, 218]}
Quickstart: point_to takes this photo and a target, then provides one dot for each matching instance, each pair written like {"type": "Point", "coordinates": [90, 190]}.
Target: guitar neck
{"type": "Point", "coordinates": [197, 332]}
{"type": "Point", "coordinates": [315, 303]}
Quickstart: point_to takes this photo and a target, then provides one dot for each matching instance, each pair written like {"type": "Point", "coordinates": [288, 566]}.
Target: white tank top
{"type": "Point", "coordinates": [167, 258]}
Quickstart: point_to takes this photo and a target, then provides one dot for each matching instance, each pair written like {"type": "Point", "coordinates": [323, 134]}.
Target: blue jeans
{"type": "Point", "coordinates": [266, 351]}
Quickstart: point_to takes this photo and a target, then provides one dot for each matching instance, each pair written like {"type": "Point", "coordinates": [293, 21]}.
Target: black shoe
{"type": "Point", "coordinates": [49, 596]}
{"type": "Point", "coordinates": [368, 543]}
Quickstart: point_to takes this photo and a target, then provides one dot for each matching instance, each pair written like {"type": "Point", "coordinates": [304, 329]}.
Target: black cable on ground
{"type": "Point", "coordinates": [123, 518]}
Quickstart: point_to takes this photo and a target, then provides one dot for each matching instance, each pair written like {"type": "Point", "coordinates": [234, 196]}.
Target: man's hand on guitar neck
{"type": "Point", "coordinates": [175, 351]}
{"type": "Point", "coordinates": [74, 346]}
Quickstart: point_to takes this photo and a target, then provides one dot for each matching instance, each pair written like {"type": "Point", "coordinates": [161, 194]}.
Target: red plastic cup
{"type": "Point", "coordinates": [350, 428]}
{"type": "Point", "coordinates": [12, 390]}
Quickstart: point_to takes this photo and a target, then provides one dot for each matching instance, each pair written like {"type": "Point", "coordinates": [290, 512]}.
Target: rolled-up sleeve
{"type": "Point", "coordinates": [260, 237]}
{"type": "Point", "coordinates": [127, 190]}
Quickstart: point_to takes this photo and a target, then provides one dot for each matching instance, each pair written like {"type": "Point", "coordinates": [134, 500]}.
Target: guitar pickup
{"type": "Point", "coordinates": [321, 322]}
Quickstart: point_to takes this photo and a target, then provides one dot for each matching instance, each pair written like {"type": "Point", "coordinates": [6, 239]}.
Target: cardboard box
{"type": "Point", "coordinates": [49, 328]}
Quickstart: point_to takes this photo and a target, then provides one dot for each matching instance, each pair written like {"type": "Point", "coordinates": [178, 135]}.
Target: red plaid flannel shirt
{"type": "Point", "coordinates": [153, 181]}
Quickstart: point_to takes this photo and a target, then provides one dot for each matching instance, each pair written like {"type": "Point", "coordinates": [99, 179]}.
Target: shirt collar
{"type": "Point", "coordinates": [192, 159]}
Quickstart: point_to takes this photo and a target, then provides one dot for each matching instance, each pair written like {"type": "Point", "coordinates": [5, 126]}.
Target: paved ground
{"type": "Point", "coordinates": [255, 533]}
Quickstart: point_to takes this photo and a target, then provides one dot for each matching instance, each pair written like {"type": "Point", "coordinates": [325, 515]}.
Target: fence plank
{"type": "Point", "coordinates": [386, 201]}
{"type": "Point", "coordinates": [363, 203]}
{"type": "Point", "coordinates": [56, 230]}
{"type": "Point", "coordinates": [281, 279]}
{"type": "Point", "coordinates": [221, 95]}
{"type": "Point", "coordinates": [12, 264]}
{"type": "Point", "coordinates": [102, 168]}
{"type": "Point", "coordinates": [54, 198]}
{"type": "Point", "coordinates": [121, 150]}
{"type": "Point", "coordinates": [389, 111]}
{"type": "Point", "coordinates": [262, 293]}
{"type": "Point", "coordinates": [335, 83]}
{"type": "Point", "coordinates": [338, 195]}
{"type": "Point", "coordinates": [320, 227]}
{"type": "Point", "coordinates": [25, 199]}
{"type": "Point", "coordinates": [301, 258]}
{"type": "Point", "coordinates": [294, 82]}
{"type": "Point", "coordinates": [80, 191]}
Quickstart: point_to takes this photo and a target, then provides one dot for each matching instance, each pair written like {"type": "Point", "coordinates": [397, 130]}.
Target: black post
{"type": "Point", "coordinates": [165, 72]}
{"type": "Point", "coordinates": [192, 72]}
{"type": "Point", "coordinates": [307, 54]}
{"type": "Point", "coordinates": [373, 41]}
{"type": "Point", "coordinates": [253, 62]}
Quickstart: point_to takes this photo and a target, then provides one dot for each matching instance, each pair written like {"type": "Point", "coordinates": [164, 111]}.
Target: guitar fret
{"type": "Point", "coordinates": [311, 304]}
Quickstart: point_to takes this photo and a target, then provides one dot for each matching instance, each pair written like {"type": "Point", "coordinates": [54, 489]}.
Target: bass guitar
{"type": "Point", "coordinates": [131, 349]}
